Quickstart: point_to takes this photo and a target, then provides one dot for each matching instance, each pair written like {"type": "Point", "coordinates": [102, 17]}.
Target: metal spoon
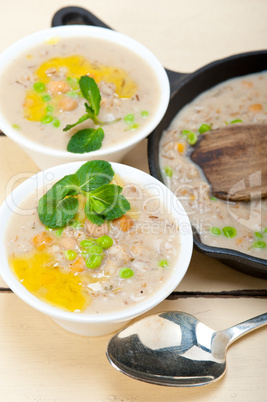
{"type": "Point", "coordinates": [174, 348]}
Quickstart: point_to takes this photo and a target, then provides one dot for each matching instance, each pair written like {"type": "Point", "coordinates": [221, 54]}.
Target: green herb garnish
{"type": "Point", "coordinates": [86, 140]}
{"type": "Point", "coordinates": [104, 201]}
{"type": "Point", "coordinates": [90, 139]}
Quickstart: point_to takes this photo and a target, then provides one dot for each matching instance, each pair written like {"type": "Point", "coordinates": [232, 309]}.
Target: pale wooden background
{"type": "Point", "coordinates": [39, 361]}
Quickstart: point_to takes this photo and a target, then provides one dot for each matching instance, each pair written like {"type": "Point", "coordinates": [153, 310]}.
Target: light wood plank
{"type": "Point", "coordinates": [42, 362]}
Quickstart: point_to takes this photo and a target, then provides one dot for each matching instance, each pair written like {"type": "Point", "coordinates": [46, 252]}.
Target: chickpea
{"type": "Point", "coordinates": [68, 243]}
{"type": "Point", "coordinates": [57, 87]}
{"type": "Point", "coordinates": [68, 104]}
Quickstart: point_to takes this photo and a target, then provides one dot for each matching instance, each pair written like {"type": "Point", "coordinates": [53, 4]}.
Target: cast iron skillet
{"type": "Point", "coordinates": [184, 88]}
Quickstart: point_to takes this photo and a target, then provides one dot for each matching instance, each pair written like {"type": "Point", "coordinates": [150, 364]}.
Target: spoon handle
{"type": "Point", "coordinates": [244, 327]}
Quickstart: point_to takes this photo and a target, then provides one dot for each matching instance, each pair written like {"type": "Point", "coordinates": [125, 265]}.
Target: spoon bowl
{"type": "Point", "coordinates": [175, 349]}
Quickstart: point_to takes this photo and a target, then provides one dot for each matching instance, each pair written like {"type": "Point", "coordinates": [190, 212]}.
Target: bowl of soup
{"type": "Point", "coordinates": [43, 103]}
{"type": "Point", "coordinates": [93, 245]}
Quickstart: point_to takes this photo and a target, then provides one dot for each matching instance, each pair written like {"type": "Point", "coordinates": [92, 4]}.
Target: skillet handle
{"type": "Point", "coordinates": [175, 79]}
{"type": "Point", "coordinates": [81, 16]}
{"type": "Point", "coordinates": [76, 16]}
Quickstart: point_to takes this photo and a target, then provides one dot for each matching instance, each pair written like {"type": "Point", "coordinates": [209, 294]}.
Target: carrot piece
{"type": "Point", "coordinates": [42, 240]}
{"type": "Point", "coordinates": [180, 147]}
{"type": "Point", "coordinates": [255, 108]}
{"type": "Point", "coordinates": [125, 222]}
{"type": "Point", "coordinates": [78, 265]}
{"type": "Point", "coordinates": [247, 84]}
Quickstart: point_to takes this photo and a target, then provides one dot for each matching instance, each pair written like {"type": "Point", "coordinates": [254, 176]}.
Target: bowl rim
{"type": "Point", "coordinates": [114, 37]}
{"type": "Point", "coordinates": [134, 175]}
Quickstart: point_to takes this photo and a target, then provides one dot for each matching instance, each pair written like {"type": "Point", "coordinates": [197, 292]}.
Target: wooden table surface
{"type": "Point", "coordinates": [39, 361]}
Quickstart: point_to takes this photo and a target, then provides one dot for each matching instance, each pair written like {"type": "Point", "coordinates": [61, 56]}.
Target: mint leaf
{"type": "Point", "coordinates": [91, 93]}
{"type": "Point", "coordinates": [92, 215]}
{"type": "Point", "coordinates": [94, 174]}
{"type": "Point", "coordinates": [106, 202]}
{"type": "Point", "coordinates": [121, 207]}
{"type": "Point", "coordinates": [68, 185]}
{"type": "Point", "coordinates": [86, 140]}
{"type": "Point", "coordinates": [54, 209]}
{"type": "Point", "coordinates": [81, 120]}
{"type": "Point", "coordinates": [89, 111]}
{"type": "Point", "coordinates": [108, 194]}
{"type": "Point", "coordinates": [55, 213]}
{"type": "Point", "coordinates": [58, 207]}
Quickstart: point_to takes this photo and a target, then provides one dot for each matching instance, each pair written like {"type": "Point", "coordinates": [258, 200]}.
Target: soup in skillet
{"type": "Point", "coordinates": [240, 226]}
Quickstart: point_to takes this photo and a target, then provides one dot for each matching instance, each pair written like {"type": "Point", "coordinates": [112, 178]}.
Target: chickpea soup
{"type": "Point", "coordinates": [41, 93]}
{"type": "Point", "coordinates": [120, 256]}
{"type": "Point", "coordinates": [241, 226]}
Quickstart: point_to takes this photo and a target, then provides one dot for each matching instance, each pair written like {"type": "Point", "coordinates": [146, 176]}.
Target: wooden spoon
{"type": "Point", "coordinates": [234, 160]}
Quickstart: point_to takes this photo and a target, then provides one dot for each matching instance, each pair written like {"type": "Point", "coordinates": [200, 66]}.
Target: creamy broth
{"type": "Point", "coordinates": [128, 86]}
{"type": "Point", "coordinates": [146, 241]}
{"type": "Point", "coordinates": [236, 101]}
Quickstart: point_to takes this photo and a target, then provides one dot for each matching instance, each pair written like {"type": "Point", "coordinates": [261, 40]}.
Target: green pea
{"type": "Point", "coordinates": [134, 126]}
{"type": "Point", "coordinates": [204, 128]}
{"type": "Point", "coordinates": [58, 232]}
{"type": "Point", "coordinates": [49, 109]}
{"type": "Point", "coordinates": [85, 244]}
{"type": "Point", "coordinates": [212, 198]}
{"type": "Point", "coordinates": [46, 98]}
{"type": "Point", "coordinates": [47, 119]}
{"type": "Point", "coordinates": [129, 118]}
{"type": "Point", "coordinates": [168, 171]}
{"type": "Point", "coordinates": [94, 261]}
{"type": "Point", "coordinates": [229, 231]}
{"type": "Point", "coordinates": [56, 123]}
{"type": "Point", "coordinates": [163, 263]}
{"type": "Point", "coordinates": [126, 273]}
{"type": "Point", "coordinates": [144, 113]}
{"type": "Point", "coordinates": [258, 235]}
{"type": "Point", "coordinates": [15, 126]}
{"type": "Point", "coordinates": [105, 241]}
{"type": "Point", "coordinates": [191, 138]}
{"type": "Point", "coordinates": [70, 255]}
{"type": "Point", "coordinates": [259, 244]}
{"type": "Point", "coordinates": [215, 230]}
{"type": "Point", "coordinates": [39, 86]}
{"type": "Point", "coordinates": [236, 121]}
{"type": "Point", "coordinates": [96, 249]}
{"type": "Point", "coordinates": [185, 133]}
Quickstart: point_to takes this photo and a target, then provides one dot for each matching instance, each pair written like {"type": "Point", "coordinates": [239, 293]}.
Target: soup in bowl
{"type": "Point", "coordinates": [80, 93]}
{"type": "Point", "coordinates": [93, 245]}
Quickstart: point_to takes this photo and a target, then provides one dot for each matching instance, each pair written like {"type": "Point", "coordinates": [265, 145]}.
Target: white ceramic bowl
{"type": "Point", "coordinates": [91, 324]}
{"type": "Point", "coordinates": [45, 156]}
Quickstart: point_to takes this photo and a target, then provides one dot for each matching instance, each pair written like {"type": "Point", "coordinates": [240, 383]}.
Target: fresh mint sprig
{"type": "Point", "coordinates": [90, 139]}
{"type": "Point", "coordinates": [104, 201]}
